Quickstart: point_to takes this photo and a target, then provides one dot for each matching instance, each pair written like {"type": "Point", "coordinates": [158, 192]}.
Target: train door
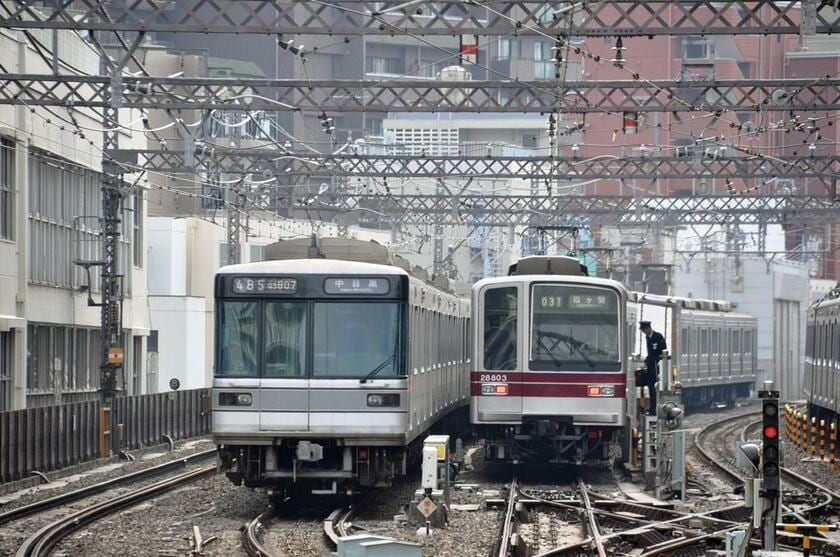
{"type": "Point", "coordinates": [499, 359]}
{"type": "Point", "coordinates": [284, 385]}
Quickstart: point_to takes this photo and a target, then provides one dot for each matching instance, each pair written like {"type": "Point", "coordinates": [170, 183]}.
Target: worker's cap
{"type": "Point", "coordinates": [644, 324]}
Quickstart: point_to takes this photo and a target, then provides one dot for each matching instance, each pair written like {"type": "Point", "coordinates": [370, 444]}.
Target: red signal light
{"type": "Point", "coordinates": [771, 432]}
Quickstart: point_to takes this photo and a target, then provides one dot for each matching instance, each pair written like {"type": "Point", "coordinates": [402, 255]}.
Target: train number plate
{"type": "Point", "coordinates": [264, 285]}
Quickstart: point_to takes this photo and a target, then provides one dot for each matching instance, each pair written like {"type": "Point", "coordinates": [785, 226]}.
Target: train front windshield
{"type": "Point", "coordinates": [339, 339]}
{"type": "Point", "coordinates": [574, 328]}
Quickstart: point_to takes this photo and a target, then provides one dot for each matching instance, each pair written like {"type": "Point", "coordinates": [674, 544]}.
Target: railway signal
{"type": "Point", "coordinates": [770, 443]}
{"type": "Point", "coordinates": [770, 463]}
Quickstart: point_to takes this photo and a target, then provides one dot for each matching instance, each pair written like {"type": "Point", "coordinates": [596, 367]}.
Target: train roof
{"type": "Point", "coordinates": [832, 298]}
{"type": "Point", "coordinates": [686, 303]}
{"type": "Point", "coordinates": [575, 279]}
{"type": "Point", "coordinates": [312, 267]}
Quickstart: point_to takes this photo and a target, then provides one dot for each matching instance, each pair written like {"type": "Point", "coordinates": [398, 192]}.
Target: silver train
{"type": "Point", "coordinates": [712, 349]}
{"type": "Point", "coordinates": [551, 381]}
{"type": "Point", "coordinates": [822, 358]}
{"type": "Point", "coordinates": [328, 372]}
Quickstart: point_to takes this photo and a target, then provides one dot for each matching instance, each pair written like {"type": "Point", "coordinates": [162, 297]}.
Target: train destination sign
{"type": "Point", "coordinates": [264, 285]}
{"type": "Point", "coordinates": [357, 285]}
{"type": "Point", "coordinates": [549, 298]}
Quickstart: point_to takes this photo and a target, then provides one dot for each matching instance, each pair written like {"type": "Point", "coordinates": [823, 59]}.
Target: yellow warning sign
{"type": "Point", "coordinates": [116, 355]}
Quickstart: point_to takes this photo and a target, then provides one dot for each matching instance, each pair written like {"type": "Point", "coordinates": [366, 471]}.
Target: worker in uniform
{"type": "Point", "coordinates": [655, 346]}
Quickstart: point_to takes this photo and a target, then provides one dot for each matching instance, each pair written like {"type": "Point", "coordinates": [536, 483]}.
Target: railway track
{"type": "Point", "coordinates": [78, 494]}
{"type": "Point", "coordinates": [727, 424]}
{"type": "Point", "coordinates": [252, 536]}
{"type": "Point", "coordinates": [606, 525]}
{"type": "Point", "coordinates": [814, 497]}
{"type": "Point", "coordinates": [337, 525]}
{"type": "Point", "coordinates": [41, 542]}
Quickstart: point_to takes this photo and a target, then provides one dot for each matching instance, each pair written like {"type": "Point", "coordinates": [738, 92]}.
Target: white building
{"type": "Point", "coordinates": [184, 255]}
{"type": "Point", "coordinates": [49, 207]}
{"type": "Point", "coordinates": [776, 292]}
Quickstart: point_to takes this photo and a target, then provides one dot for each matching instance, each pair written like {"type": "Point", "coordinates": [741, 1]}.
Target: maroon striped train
{"type": "Point", "coordinates": [550, 371]}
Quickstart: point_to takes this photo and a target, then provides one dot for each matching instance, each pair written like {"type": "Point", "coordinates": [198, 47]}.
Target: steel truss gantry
{"type": "Point", "coordinates": [270, 162]}
{"type": "Point", "coordinates": [447, 17]}
{"type": "Point", "coordinates": [567, 210]}
{"type": "Point", "coordinates": [415, 95]}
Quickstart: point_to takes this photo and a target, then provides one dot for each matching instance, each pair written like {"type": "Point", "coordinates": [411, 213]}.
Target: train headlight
{"type": "Point", "coordinates": [235, 399]}
{"type": "Point", "coordinates": [600, 390]}
{"type": "Point", "coordinates": [383, 400]}
{"type": "Point", "coordinates": [494, 389]}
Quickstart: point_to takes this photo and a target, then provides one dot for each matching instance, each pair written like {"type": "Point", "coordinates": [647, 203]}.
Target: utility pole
{"type": "Point", "coordinates": [437, 255]}
{"type": "Point", "coordinates": [113, 192]}
{"type": "Point", "coordinates": [234, 227]}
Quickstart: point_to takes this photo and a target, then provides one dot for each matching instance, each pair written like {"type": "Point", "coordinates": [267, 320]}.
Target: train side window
{"type": "Point", "coordinates": [237, 339]}
{"type": "Point", "coordinates": [500, 327]}
{"type": "Point", "coordinates": [285, 339]}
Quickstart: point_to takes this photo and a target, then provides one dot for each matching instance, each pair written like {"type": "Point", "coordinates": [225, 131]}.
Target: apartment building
{"type": "Point", "coordinates": [50, 209]}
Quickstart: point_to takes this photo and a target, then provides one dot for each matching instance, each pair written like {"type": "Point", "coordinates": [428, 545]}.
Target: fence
{"type": "Point", "coordinates": [49, 438]}
{"type": "Point", "coordinates": [142, 420]}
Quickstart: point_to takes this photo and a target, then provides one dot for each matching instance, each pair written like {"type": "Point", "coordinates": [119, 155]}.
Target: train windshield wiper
{"type": "Point", "coordinates": [378, 368]}
{"type": "Point", "coordinates": [557, 361]}
{"type": "Point", "coordinates": [571, 342]}
{"type": "Point", "coordinates": [577, 346]}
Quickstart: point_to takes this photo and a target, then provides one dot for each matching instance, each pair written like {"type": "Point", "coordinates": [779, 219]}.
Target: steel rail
{"type": "Point", "coordinates": [251, 536]}
{"type": "Point", "coordinates": [802, 481]}
{"type": "Point", "coordinates": [653, 526]}
{"type": "Point", "coordinates": [594, 531]}
{"type": "Point", "coordinates": [335, 525]}
{"type": "Point", "coordinates": [41, 542]}
{"type": "Point", "coordinates": [70, 496]}
{"type": "Point", "coordinates": [790, 475]}
{"type": "Point", "coordinates": [708, 456]}
{"type": "Point", "coordinates": [507, 524]}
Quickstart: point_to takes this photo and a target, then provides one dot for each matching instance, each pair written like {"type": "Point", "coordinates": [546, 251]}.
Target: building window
{"type": "Point", "coordinates": [375, 126]}
{"type": "Point", "coordinates": [509, 49]}
{"type": "Point", "coordinates": [152, 362]}
{"type": "Point", "coordinates": [382, 65]}
{"type": "Point", "coordinates": [137, 228]}
{"type": "Point", "coordinates": [212, 195]}
{"type": "Point", "coordinates": [7, 190]}
{"type": "Point", "coordinates": [61, 360]}
{"type": "Point", "coordinates": [6, 340]}
{"type": "Point", "coordinates": [65, 206]}
{"type": "Point", "coordinates": [545, 14]}
{"type": "Point", "coordinates": [257, 253]}
{"type": "Point", "coordinates": [696, 47]}
{"type": "Point", "coordinates": [543, 66]}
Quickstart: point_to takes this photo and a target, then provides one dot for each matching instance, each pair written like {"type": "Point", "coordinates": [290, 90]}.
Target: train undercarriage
{"type": "Point", "coordinates": [552, 441]}
{"type": "Point", "coordinates": [316, 466]}
{"type": "Point", "coordinates": [715, 396]}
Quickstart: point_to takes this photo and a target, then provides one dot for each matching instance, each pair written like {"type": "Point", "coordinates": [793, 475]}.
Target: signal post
{"type": "Point", "coordinates": [771, 467]}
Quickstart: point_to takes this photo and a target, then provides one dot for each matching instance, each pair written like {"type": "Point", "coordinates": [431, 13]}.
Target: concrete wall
{"type": "Point", "coordinates": [777, 294]}
{"type": "Point", "coordinates": [167, 252]}
{"type": "Point", "coordinates": [180, 322]}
